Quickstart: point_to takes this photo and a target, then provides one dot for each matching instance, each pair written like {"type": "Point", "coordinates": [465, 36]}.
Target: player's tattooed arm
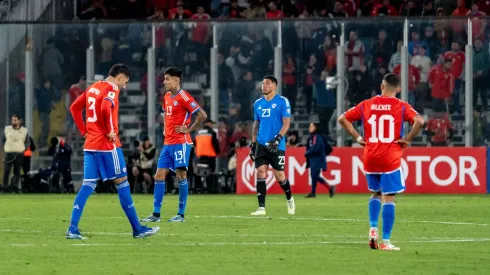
{"type": "Point", "coordinates": [347, 125]}
{"type": "Point", "coordinates": [418, 124]}
{"type": "Point", "coordinates": [255, 131]}
{"type": "Point", "coordinates": [200, 117]}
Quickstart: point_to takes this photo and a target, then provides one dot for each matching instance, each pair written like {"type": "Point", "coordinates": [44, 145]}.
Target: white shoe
{"type": "Point", "coordinates": [259, 212]}
{"type": "Point", "coordinates": [291, 206]}
{"type": "Point", "coordinates": [389, 246]}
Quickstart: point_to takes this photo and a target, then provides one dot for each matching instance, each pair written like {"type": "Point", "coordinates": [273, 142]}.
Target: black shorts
{"type": "Point", "coordinates": [264, 157]}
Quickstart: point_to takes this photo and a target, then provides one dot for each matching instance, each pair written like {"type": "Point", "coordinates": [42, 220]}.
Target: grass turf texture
{"type": "Point", "coordinates": [436, 234]}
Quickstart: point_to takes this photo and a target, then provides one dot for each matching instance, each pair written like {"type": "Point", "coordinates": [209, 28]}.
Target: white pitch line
{"type": "Point", "coordinates": [249, 243]}
{"type": "Point", "coordinates": [336, 219]}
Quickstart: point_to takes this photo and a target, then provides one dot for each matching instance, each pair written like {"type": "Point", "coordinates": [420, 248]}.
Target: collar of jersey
{"type": "Point", "coordinates": [109, 82]}
{"type": "Point", "coordinates": [271, 98]}
{"type": "Point", "coordinates": [172, 96]}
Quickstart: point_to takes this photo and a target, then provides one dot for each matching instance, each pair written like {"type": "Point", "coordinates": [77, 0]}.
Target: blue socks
{"type": "Point", "coordinates": [388, 219]}
{"type": "Point", "coordinates": [124, 192]}
{"type": "Point", "coordinates": [374, 207]}
{"type": "Point", "coordinates": [158, 196]}
{"type": "Point", "coordinates": [183, 192]}
{"type": "Point", "coordinates": [87, 189]}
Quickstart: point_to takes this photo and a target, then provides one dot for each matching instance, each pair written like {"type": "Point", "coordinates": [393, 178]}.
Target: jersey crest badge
{"type": "Point", "coordinates": [274, 105]}
{"type": "Point", "coordinates": [175, 103]}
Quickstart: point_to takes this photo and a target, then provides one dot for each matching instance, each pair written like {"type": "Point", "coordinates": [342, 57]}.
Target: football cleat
{"type": "Point", "coordinates": [177, 218]}
{"type": "Point", "coordinates": [373, 238]}
{"type": "Point", "coordinates": [151, 218]}
{"type": "Point", "coordinates": [145, 232]}
{"type": "Point", "coordinates": [291, 206]}
{"type": "Point", "coordinates": [389, 246]}
{"type": "Point", "coordinates": [74, 234]}
{"type": "Point", "coordinates": [259, 212]}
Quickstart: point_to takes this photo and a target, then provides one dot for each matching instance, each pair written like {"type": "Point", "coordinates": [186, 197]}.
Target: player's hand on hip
{"type": "Point", "coordinates": [361, 141]}
{"type": "Point", "coordinates": [273, 144]}
{"type": "Point", "coordinates": [403, 142]}
{"type": "Point", "coordinates": [112, 136]}
{"type": "Point", "coordinates": [253, 147]}
{"type": "Point", "coordinates": [181, 129]}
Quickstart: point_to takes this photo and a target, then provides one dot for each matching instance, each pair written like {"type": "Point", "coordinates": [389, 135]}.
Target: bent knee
{"type": "Point", "coordinates": [161, 174]}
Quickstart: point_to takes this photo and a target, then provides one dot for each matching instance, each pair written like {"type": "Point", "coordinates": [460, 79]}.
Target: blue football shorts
{"type": "Point", "coordinates": [174, 156]}
{"type": "Point", "coordinates": [387, 183]}
{"type": "Point", "coordinates": [107, 165]}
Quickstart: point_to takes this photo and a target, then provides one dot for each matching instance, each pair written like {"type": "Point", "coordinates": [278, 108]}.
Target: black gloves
{"type": "Point", "coordinates": [274, 143]}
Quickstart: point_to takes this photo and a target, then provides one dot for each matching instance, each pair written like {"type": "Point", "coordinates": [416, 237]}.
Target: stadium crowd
{"type": "Point", "coordinates": [246, 52]}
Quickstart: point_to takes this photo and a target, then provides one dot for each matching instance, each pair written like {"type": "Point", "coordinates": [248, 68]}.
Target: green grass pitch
{"type": "Point", "coordinates": [436, 234]}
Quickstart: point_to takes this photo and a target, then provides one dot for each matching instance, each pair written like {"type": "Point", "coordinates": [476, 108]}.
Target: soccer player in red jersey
{"type": "Point", "coordinates": [178, 107]}
{"type": "Point", "coordinates": [103, 157]}
{"type": "Point", "coordinates": [382, 118]}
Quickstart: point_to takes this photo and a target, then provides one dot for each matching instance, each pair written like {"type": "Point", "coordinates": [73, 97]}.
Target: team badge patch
{"type": "Point", "coordinates": [111, 95]}
{"type": "Point", "coordinates": [274, 105]}
{"type": "Point", "coordinates": [193, 104]}
{"type": "Point", "coordinates": [175, 103]}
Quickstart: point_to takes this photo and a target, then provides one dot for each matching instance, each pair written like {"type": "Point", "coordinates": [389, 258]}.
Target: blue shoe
{"type": "Point", "coordinates": [177, 218]}
{"type": "Point", "coordinates": [151, 218]}
{"type": "Point", "coordinates": [145, 232]}
{"type": "Point", "coordinates": [73, 233]}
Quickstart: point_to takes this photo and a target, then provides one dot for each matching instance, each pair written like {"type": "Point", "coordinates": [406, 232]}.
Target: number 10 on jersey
{"type": "Point", "coordinates": [378, 131]}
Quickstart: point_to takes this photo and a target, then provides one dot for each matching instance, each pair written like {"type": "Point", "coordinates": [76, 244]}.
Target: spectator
{"type": "Point", "coordinates": [423, 64]}
{"type": "Point", "coordinates": [396, 58]}
{"type": "Point", "coordinates": [289, 80]}
{"type": "Point", "coordinates": [329, 52]}
{"type": "Point", "coordinates": [15, 141]}
{"type": "Point", "coordinates": [378, 78]}
{"type": "Point", "coordinates": [338, 11]}
{"type": "Point", "coordinates": [52, 63]}
{"type": "Point", "coordinates": [439, 128]}
{"type": "Point", "coordinates": [309, 76]}
{"type": "Point", "coordinates": [382, 50]}
{"type": "Point", "coordinates": [242, 96]}
{"type": "Point", "coordinates": [413, 82]}
{"type": "Point", "coordinates": [384, 9]}
{"type": "Point", "coordinates": [409, 8]}
{"type": "Point", "coordinates": [361, 85]}
{"type": "Point", "coordinates": [26, 163]}
{"type": "Point", "coordinates": [458, 24]}
{"type": "Point", "coordinates": [325, 100]}
{"type": "Point", "coordinates": [413, 45]}
{"type": "Point", "coordinates": [75, 91]}
{"type": "Point", "coordinates": [207, 150]}
{"type": "Point", "coordinates": [428, 9]}
{"type": "Point", "coordinates": [61, 153]}
{"type": "Point", "coordinates": [481, 65]}
{"type": "Point", "coordinates": [17, 96]}
{"type": "Point", "coordinates": [179, 12]}
{"type": "Point", "coordinates": [144, 174]}
{"type": "Point", "coordinates": [478, 23]}
{"type": "Point", "coordinates": [317, 150]}
{"type": "Point", "coordinates": [225, 81]}
{"type": "Point", "coordinates": [200, 37]}
{"type": "Point", "coordinates": [441, 81]}
{"type": "Point", "coordinates": [239, 132]}
{"type": "Point", "coordinates": [224, 142]}
{"type": "Point", "coordinates": [354, 51]}
{"type": "Point", "coordinates": [45, 104]}
{"type": "Point", "coordinates": [434, 45]}
{"type": "Point", "coordinates": [479, 127]}
{"type": "Point", "coordinates": [273, 12]}
{"type": "Point", "coordinates": [293, 139]}
{"type": "Point", "coordinates": [458, 58]}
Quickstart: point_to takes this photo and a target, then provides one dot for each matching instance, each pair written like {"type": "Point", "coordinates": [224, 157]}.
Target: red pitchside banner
{"type": "Point", "coordinates": [432, 170]}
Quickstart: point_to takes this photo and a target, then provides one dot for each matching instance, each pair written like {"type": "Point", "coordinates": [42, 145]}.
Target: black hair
{"type": "Point", "coordinates": [173, 71]}
{"type": "Point", "coordinates": [17, 116]}
{"type": "Point", "coordinates": [271, 78]}
{"type": "Point", "coordinates": [392, 80]}
{"type": "Point", "coordinates": [120, 69]}
{"type": "Point", "coordinates": [318, 128]}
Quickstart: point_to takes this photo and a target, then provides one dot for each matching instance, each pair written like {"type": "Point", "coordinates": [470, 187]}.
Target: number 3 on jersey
{"type": "Point", "coordinates": [92, 117]}
{"type": "Point", "coordinates": [378, 132]}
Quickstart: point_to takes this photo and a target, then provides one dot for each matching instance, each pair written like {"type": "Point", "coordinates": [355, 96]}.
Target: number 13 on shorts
{"type": "Point", "coordinates": [174, 156]}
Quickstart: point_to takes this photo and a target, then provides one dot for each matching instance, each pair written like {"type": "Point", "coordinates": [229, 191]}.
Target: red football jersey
{"type": "Point", "coordinates": [178, 110]}
{"type": "Point", "coordinates": [101, 104]}
{"type": "Point", "coordinates": [382, 119]}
